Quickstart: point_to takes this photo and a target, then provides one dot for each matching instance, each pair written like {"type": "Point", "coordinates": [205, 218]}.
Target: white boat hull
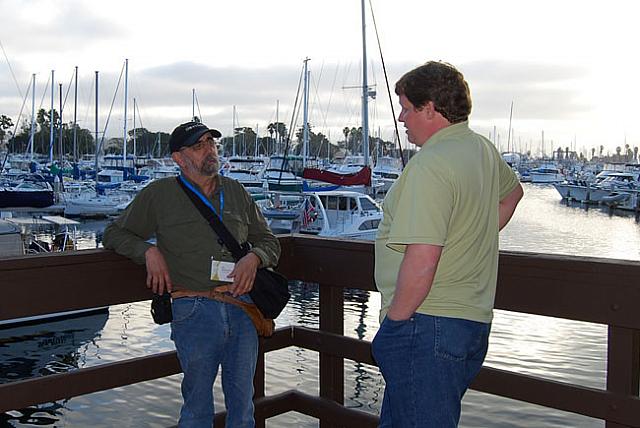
{"type": "Point", "coordinates": [585, 194]}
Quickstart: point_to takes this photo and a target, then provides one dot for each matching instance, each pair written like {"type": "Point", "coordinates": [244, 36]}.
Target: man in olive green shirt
{"type": "Point", "coordinates": [437, 253]}
{"type": "Point", "coordinates": [207, 333]}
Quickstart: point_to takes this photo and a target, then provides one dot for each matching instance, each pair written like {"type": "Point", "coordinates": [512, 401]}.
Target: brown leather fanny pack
{"type": "Point", "coordinates": [264, 326]}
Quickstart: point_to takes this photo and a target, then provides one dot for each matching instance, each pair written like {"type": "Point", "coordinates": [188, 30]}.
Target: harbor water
{"type": "Point", "coordinates": [552, 348]}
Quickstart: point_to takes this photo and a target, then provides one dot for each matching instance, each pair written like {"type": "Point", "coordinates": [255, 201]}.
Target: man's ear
{"type": "Point", "coordinates": [177, 158]}
{"type": "Point", "coordinates": [429, 109]}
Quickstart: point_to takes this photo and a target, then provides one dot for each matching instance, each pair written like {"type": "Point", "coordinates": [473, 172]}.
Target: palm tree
{"type": "Point", "coordinates": [271, 128]}
{"type": "Point", "coordinates": [278, 128]}
{"type": "Point", "coordinates": [627, 153]}
{"type": "Point", "coordinates": [346, 132]}
{"type": "Point", "coordinates": [356, 137]}
{"type": "Point", "coordinates": [5, 124]}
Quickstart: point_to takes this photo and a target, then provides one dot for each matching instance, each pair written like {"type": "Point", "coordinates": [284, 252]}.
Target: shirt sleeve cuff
{"type": "Point", "coordinates": [262, 255]}
{"type": "Point", "coordinates": [139, 250]}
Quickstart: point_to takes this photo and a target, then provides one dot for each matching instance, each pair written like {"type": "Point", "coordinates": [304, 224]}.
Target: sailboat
{"type": "Point", "coordinates": [333, 209]}
{"type": "Point", "coordinates": [93, 202]}
{"type": "Point", "coordinates": [23, 189]}
{"type": "Point", "coordinates": [355, 173]}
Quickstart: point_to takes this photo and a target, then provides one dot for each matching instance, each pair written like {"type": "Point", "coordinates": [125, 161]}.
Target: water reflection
{"type": "Point", "coordinates": [43, 349]}
{"type": "Point", "coordinates": [543, 223]}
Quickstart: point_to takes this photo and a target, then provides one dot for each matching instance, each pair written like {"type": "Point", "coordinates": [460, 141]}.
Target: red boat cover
{"type": "Point", "coordinates": [352, 179]}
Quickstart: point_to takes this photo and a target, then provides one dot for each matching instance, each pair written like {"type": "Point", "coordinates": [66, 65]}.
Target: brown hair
{"type": "Point", "coordinates": [441, 83]}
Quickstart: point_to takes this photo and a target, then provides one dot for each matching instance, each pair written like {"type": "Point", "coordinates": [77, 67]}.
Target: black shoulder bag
{"type": "Point", "coordinates": [270, 292]}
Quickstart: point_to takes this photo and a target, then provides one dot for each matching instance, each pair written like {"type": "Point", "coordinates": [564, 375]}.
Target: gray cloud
{"type": "Point", "coordinates": [163, 93]}
{"type": "Point", "coordinates": [73, 26]}
{"type": "Point", "coordinates": [223, 86]}
{"type": "Point", "coordinates": [539, 91]}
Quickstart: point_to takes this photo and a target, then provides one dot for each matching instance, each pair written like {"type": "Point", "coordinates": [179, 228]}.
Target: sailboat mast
{"type": "Point", "coordinates": [305, 125]}
{"type": "Point", "coordinates": [256, 142]}
{"type": "Point", "coordinates": [97, 143]}
{"type": "Point", "coordinates": [126, 93]}
{"type": "Point", "coordinates": [233, 131]}
{"type": "Point", "coordinates": [278, 140]}
{"type": "Point", "coordinates": [75, 117]}
{"type": "Point", "coordinates": [509, 134]}
{"type": "Point", "coordinates": [193, 104]}
{"type": "Point", "coordinates": [134, 129]}
{"type": "Point", "coordinates": [60, 150]}
{"type": "Point", "coordinates": [51, 122]}
{"type": "Point", "coordinates": [33, 112]}
{"type": "Point", "coordinates": [365, 93]}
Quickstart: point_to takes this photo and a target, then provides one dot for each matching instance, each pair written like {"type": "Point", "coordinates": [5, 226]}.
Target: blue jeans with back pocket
{"type": "Point", "coordinates": [427, 362]}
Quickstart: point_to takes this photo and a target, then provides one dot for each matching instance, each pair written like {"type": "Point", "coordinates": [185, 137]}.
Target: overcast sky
{"type": "Point", "coordinates": [570, 68]}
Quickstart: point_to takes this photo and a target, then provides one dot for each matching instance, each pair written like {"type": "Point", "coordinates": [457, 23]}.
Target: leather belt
{"type": "Point", "coordinates": [264, 326]}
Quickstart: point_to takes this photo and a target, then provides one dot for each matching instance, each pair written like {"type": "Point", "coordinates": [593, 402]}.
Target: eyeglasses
{"type": "Point", "coordinates": [206, 141]}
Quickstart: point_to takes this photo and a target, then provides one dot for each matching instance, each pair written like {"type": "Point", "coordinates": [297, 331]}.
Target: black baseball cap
{"type": "Point", "coordinates": [187, 134]}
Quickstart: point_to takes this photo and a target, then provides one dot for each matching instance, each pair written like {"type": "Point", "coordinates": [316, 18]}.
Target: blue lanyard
{"type": "Point", "coordinates": [204, 199]}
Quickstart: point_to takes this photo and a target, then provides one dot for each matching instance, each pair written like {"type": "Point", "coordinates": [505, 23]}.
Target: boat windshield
{"type": "Point", "coordinates": [368, 205]}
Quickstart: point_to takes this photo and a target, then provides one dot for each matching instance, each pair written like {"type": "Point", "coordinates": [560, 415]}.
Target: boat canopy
{"type": "Point", "coordinates": [362, 177]}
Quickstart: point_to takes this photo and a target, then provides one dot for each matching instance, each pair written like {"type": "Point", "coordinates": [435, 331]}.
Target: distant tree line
{"type": "Point", "coordinates": [19, 143]}
{"type": "Point", "coordinates": [243, 142]}
{"type": "Point", "coordinates": [147, 143]}
{"type": "Point", "coordinates": [627, 154]}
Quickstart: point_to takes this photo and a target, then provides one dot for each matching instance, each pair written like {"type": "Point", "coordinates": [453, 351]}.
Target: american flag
{"type": "Point", "coordinates": [307, 213]}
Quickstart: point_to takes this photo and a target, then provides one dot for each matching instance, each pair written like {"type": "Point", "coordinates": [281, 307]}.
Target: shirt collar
{"type": "Point", "coordinates": [451, 130]}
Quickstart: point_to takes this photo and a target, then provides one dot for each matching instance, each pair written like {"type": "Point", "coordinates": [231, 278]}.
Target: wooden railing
{"type": "Point", "coordinates": [577, 288]}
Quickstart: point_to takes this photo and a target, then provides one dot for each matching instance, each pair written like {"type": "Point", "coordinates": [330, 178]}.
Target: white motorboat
{"type": "Point", "coordinates": [246, 170]}
{"type": "Point", "coordinates": [90, 204]}
{"type": "Point", "coordinates": [342, 214]}
{"type": "Point", "coordinates": [548, 173]}
{"type": "Point", "coordinates": [600, 188]}
{"type": "Point", "coordinates": [386, 172]}
{"type": "Point", "coordinates": [336, 213]}
{"type": "Point", "coordinates": [159, 168]}
{"type": "Point", "coordinates": [42, 234]}
{"type": "Point", "coordinates": [628, 200]}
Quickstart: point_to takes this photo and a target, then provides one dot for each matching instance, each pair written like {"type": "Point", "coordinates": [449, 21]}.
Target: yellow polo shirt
{"type": "Point", "coordinates": [447, 195]}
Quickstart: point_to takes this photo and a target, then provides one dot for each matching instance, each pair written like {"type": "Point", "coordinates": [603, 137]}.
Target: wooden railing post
{"type": "Point", "coordinates": [623, 365]}
{"type": "Point", "coordinates": [258, 382]}
{"type": "Point", "coordinates": [331, 368]}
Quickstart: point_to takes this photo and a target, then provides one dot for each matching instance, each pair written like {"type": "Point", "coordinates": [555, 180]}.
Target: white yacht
{"type": "Point", "coordinates": [600, 188]}
{"type": "Point", "coordinates": [547, 173]}
{"type": "Point", "coordinates": [336, 213]}
{"type": "Point", "coordinates": [247, 170]}
{"type": "Point", "coordinates": [386, 172]}
{"type": "Point", "coordinates": [92, 205]}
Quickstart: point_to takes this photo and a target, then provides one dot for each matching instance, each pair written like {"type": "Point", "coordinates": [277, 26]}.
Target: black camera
{"type": "Point", "coordinates": [161, 308]}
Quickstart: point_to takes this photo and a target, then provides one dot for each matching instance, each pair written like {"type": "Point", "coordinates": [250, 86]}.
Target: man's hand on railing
{"type": "Point", "coordinates": [158, 278]}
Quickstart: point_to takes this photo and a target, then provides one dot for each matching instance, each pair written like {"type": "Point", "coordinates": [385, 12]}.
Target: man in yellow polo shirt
{"type": "Point", "coordinates": [437, 253]}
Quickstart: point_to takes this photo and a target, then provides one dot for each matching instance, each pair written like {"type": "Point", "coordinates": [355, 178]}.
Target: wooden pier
{"type": "Point", "coordinates": [576, 288]}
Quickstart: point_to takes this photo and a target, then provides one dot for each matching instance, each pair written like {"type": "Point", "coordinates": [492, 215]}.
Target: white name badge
{"type": "Point", "coordinates": [221, 270]}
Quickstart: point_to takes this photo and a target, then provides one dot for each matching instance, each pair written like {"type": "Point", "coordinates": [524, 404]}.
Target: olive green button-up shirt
{"type": "Point", "coordinates": [164, 211]}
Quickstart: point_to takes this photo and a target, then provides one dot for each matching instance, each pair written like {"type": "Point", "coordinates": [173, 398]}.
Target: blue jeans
{"type": "Point", "coordinates": [427, 362]}
{"type": "Point", "coordinates": [207, 334]}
